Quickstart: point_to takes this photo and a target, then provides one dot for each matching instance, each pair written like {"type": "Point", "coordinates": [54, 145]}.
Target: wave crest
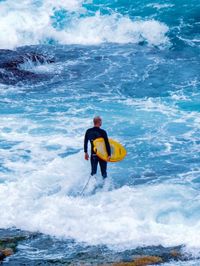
{"type": "Point", "coordinates": [35, 24]}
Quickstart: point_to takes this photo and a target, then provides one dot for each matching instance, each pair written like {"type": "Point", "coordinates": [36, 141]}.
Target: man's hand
{"type": "Point", "coordinates": [86, 156]}
{"type": "Point", "coordinates": [108, 159]}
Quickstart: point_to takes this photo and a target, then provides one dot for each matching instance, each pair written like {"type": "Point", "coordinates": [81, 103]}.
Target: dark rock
{"type": "Point", "coordinates": [2, 256]}
{"type": "Point", "coordinates": [33, 57]}
{"type": "Point", "coordinates": [11, 71]}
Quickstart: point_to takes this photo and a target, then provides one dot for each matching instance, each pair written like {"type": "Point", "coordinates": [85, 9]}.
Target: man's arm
{"type": "Point", "coordinates": [107, 144]}
{"type": "Point", "coordinates": [86, 146]}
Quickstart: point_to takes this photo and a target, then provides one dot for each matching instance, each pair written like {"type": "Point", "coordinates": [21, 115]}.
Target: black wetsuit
{"type": "Point", "coordinates": [90, 135]}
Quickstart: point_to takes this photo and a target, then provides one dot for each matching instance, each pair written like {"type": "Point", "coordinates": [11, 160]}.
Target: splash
{"type": "Point", "coordinates": [67, 22]}
{"type": "Point", "coordinates": [122, 219]}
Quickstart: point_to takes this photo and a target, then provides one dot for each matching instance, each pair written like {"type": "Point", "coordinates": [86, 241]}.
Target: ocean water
{"type": "Point", "coordinates": [137, 65]}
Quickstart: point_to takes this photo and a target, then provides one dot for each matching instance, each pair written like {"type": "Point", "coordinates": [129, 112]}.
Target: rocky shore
{"type": "Point", "coordinates": [13, 244]}
{"type": "Point", "coordinates": [9, 240]}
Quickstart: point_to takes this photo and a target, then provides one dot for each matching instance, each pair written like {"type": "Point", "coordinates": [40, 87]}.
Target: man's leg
{"type": "Point", "coordinates": [103, 166]}
{"type": "Point", "coordinates": [94, 162]}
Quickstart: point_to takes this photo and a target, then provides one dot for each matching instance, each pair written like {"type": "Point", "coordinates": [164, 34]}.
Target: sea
{"type": "Point", "coordinates": [135, 63]}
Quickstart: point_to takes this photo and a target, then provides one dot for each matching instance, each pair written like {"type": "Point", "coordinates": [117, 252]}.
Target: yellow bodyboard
{"type": "Point", "coordinates": [118, 152]}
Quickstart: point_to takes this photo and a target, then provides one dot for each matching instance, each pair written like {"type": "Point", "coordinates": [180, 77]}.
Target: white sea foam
{"type": "Point", "coordinates": [122, 219]}
{"type": "Point", "coordinates": [99, 29]}
{"type": "Point", "coordinates": [33, 25]}
{"type": "Point", "coordinates": [160, 6]}
{"type": "Point", "coordinates": [183, 263]}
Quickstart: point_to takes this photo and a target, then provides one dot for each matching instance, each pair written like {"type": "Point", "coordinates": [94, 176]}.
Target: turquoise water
{"type": "Point", "coordinates": [136, 65]}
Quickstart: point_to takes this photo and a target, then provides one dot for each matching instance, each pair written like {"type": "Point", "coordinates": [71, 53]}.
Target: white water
{"type": "Point", "coordinates": [165, 214]}
{"type": "Point", "coordinates": [33, 24]}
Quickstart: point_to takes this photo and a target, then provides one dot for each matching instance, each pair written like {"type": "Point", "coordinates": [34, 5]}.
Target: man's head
{"type": "Point", "coordinates": [97, 121]}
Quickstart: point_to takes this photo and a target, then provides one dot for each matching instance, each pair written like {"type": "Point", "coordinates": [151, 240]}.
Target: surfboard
{"type": "Point", "coordinates": [118, 152]}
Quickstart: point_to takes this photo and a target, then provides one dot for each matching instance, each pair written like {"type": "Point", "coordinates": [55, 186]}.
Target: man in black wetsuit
{"type": "Point", "coordinates": [90, 135]}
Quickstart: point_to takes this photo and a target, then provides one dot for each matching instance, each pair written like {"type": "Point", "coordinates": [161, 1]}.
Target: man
{"type": "Point", "coordinates": [90, 135]}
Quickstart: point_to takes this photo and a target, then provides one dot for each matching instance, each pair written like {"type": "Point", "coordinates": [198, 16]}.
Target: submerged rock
{"type": "Point", "coordinates": [141, 261]}
{"type": "Point", "coordinates": [8, 252]}
{"type": "Point", "coordinates": [176, 254]}
{"type": "Point", "coordinates": [11, 66]}
{"type": "Point", "coordinates": [147, 260]}
{"type": "Point", "coordinates": [8, 244]}
{"type": "Point", "coordinates": [5, 253]}
{"type": "Point", "coordinates": [8, 247]}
